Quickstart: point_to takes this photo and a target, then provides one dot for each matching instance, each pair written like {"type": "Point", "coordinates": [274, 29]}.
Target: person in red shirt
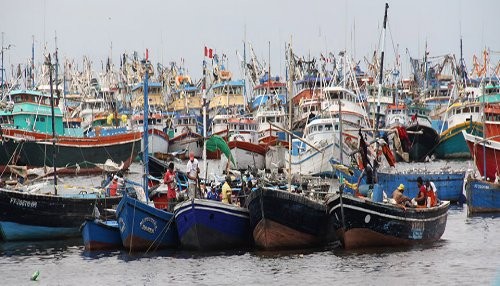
{"type": "Point", "coordinates": [113, 187]}
{"type": "Point", "coordinates": [421, 198]}
{"type": "Point", "coordinates": [169, 180]}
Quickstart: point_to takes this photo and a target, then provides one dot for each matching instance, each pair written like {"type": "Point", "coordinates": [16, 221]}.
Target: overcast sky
{"type": "Point", "coordinates": [172, 30]}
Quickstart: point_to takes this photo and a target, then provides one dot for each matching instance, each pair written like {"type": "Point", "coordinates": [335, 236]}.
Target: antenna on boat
{"type": "Point", "coordinates": [381, 71]}
{"type": "Point", "coordinates": [145, 128]}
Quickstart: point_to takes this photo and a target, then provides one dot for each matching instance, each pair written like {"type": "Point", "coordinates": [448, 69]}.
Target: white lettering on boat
{"type": "Point", "coordinates": [151, 229]}
{"type": "Point", "coordinates": [24, 136]}
{"type": "Point", "coordinates": [23, 203]}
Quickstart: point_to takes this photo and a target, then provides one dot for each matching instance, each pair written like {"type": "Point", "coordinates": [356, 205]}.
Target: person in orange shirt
{"type": "Point", "coordinates": [431, 194]}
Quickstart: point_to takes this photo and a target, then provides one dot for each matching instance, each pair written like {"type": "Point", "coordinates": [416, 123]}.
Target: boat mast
{"type": "Point", "coordinates": [381, 71]}
{"type": "Point", "coordinates": [204, 111]}
{"type": "Point", "coordinates": [48, 62]}
{"type": "Point", "coordinates": [145, 127]}
{"type": "Point", "coordinates": [290, 75]}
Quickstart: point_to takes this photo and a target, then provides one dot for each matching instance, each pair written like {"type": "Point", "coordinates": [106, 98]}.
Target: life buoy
{"type": "Point", "coordinates": [181, 79]}
{"type": "Point", "coordinates": [225, 75]}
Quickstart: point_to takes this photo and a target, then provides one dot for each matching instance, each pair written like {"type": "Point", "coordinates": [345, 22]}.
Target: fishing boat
{"type": "Point", "coordinates": [322, 135]}
{"type": "Point", "coordinates": [243, 142]}
{"type": "Point", "coordinates": [186, 134]}
{"type": "Point", "coordinates": [448, 183]}
{"type": "Point", "coordinates": [482, 196]}
{"type": "Point", "coordinates": [142, 226]}
{"type": "Point", "coordinates": [204, 224]}
{"type": "Point", "coordinates": [44, 210]}
{"type": "Point", "coordinates": [30, 216]}
{"type": "Point", "coordinates": [281, 219]}
{"type": "Point", "coordinates": [101, 234]}
{"type": "Point", "coordinates": [158, 140]}
{"type": "Point", "coordinates": [369, 221]}
{"type": "Point", "coordinates": [486, 154]}
{"type": "Point", "coordinates": [362, 222]}
{"type": "Point", "coordinates": [460, 116]}
{"type": "Point", "coordinates": [422, 136]}
{"type": "Point", "coordinates": [29, 140]}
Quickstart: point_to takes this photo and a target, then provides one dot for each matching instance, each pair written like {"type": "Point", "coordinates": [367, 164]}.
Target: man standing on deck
{"type": "Point", "coordinates": [192, 171]}
{"type": "Point", "coordinates": [169, 180]}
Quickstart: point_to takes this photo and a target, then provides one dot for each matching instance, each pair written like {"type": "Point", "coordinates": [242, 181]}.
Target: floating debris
{"type": "Point", "coordinates": [35, 275]}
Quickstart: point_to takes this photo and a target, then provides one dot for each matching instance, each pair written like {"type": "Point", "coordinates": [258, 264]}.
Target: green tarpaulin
{"type": "Point", "coordinates": [215, 143]}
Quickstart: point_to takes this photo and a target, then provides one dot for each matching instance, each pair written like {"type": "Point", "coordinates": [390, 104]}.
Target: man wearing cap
{"type": "Point", "coordinates": [398, 196]}
{"type": "Point", "coordinates": [192, 171]}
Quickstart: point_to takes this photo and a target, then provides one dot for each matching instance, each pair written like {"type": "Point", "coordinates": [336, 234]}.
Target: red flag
{"type": "Point", "coordinates": [147, 54]}
{"type": "Point", "coordinates": [208, 52]}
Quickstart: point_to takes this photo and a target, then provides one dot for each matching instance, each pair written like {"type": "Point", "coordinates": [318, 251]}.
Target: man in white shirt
{"type": "Point", "coordinates": [192, 171]}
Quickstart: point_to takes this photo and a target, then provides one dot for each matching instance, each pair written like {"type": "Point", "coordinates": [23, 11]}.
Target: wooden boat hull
{"type": "Point", "coordinates": [248, 154]}
{"type": "Point", "coordinates": [157, 141]}
{"type": "Point", "coordinates": [282, 219]}
{"type": "Point", "coordinates": [145, 228]}
{"type": "Point", "coordinates": [101, 235]}
{"type": "Point", "coordinates": [452, 144]}
{"type": "Point", "coordinates": [482, 196]}
{"type": "Point", "coordinates": [73, 154]}
{"type": "Point", "coordinates": [362, 223]}
{"type": "Point", "coordinates": [25, 216]}
{"type": "Point", "coordinates": [212, 225]}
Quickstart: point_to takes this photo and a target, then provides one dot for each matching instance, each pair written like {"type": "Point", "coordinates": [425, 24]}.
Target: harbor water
{"type": "Point", "coordinates": [467, 254]}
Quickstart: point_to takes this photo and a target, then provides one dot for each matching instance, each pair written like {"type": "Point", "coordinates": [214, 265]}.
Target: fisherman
{"type": "Point", "coordinates": [399, 198]}
{"type": "Point", "coordinates": [212, 194]}
{"type": "Point", "coordinates": [192, 171]}
{"type": "Point", "coordinates": [169, 180]}
{"type": "Point", "coordinates": [227, 191]}
{"type": "Point", "coordinates": [431, 193]}
{"type": "Point", "coordinates": [113, 187]}
{"type": "Point", "coordinates": [421, 197]}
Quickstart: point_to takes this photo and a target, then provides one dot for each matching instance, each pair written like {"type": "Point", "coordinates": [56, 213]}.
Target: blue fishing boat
{"type": "Point", "coordinates": [482, 196]}
{"type": "Point", "coordinates": [142, 226]}
{"type": "Point", "coordinates": [449, 184]}
{"type": "Point", "coordinates": [101, 234]}
{"type": "Point", "coordinates": [211, 225]}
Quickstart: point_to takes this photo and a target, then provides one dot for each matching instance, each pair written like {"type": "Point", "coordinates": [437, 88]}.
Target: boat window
{"type": "Point", "coordinates": [336, 127]}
